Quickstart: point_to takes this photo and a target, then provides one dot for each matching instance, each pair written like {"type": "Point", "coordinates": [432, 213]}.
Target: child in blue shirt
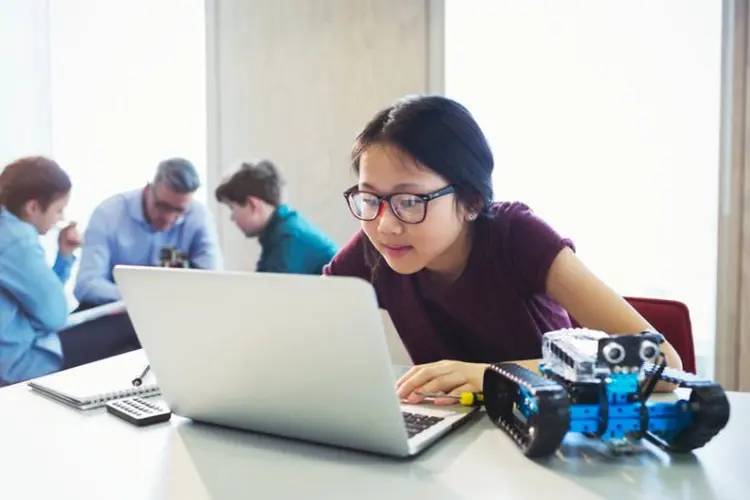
{"type": "Point", "coordinates": [34, 192]}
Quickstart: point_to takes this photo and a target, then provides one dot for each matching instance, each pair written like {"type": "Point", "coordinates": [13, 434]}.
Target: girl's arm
{"type": "Point", "coordinates": [26, 276]}
{"type": "Point", "coordinates": [596, 306]}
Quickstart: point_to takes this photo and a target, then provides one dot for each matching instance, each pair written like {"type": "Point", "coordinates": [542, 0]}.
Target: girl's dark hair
{"type": "Point", "coordinates": [32, 178]}
{"type": "Point", "coordinates": [440, 134]}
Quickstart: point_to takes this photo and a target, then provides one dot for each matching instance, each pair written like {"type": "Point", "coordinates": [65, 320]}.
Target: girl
{"type": "Point", "coordinates": [466, 280]}
{"type": "Point", "coordinates": [34, 192]}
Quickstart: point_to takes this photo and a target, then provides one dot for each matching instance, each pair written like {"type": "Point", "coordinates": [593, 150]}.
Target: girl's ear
{"type": "Point", "coordinates": [473, 209]}
{"type": "Point", "coordinates": [466, 211]}
{"type": "Point", "coordinates": [31, 207]}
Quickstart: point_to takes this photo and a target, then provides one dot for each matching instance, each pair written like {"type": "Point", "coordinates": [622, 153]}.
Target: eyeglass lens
{"type": "Point", "coordinates": [407, 207]}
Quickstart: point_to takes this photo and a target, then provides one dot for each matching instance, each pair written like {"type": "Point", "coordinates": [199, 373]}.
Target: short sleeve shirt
{"type": "Point", "coordinates": [498, 308]}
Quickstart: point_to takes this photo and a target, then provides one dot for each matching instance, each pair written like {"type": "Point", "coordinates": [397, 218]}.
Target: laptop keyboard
{"type": "Point", "coordinates": [416, 423]}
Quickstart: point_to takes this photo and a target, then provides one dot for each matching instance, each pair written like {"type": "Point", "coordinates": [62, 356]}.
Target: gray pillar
{"type": "Point", "coordinates": [294, 81]}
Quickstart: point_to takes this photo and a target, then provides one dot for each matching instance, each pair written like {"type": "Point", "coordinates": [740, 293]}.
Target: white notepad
{"type": "Point", "coordinates": [94, 385]}
{"type": "Point", "coordinates": [76, 318]}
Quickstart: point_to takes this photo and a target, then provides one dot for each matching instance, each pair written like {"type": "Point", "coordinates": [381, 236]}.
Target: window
{"type": "Point", "coordinates": [24, 97]}
{"type": "Point", "coordinates": [117, 87]}
{"type": "Point", "coordinates": [128, 90]}
{"type": "Point", "coordinates": [604, 117]}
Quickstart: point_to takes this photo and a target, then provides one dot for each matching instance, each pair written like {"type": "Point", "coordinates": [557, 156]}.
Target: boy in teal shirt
{"type": "Point", "coordinates": [289, 242]}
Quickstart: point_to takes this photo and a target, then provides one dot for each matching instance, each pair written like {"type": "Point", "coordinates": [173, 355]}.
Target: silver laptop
{"type": "Point", "coordinates": [299, 356]}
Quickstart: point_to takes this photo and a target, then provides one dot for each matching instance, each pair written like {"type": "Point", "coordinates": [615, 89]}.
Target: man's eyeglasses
{"type": "Point", "coordinates": [163, 206]}
{"type": "Point", "coordinates": [407, 207]}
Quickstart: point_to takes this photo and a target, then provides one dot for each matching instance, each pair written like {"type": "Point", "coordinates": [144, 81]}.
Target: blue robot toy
{"type": "Point", "coordinates": [600, 385]}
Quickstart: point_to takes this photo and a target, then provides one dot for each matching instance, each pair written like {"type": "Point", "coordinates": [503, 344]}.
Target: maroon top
{"type": "Point", "coordinates": [497, 310]}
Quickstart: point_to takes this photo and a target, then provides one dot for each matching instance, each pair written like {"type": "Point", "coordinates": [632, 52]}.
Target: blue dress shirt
{"type": "Point", "coordinates": [33, 305]}
{"type": "Point", "coordinates": [118, 233]}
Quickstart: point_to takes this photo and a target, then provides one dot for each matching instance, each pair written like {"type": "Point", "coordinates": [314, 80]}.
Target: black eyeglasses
{"type": "Point", "coordinates": [407, 207]}
{"type": "Point", "coordinates": [163, 206]}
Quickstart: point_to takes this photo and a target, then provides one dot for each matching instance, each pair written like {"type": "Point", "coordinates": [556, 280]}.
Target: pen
{"type": "Point", "coordinates": [466, 398]}
{"type": "Point", "coordinates": [139, 380]}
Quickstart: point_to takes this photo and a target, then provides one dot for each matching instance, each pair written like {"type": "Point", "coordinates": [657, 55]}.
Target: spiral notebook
{"type": "Point", "coordinates": [89, 386]}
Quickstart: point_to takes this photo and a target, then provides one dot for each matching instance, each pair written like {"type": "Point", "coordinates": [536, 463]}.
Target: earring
{"type": "Point", "coordinates": [472, 216]}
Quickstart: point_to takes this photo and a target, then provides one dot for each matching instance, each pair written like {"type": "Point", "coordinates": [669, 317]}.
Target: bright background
{"type": "Point", "coordinates": [603, 114]}
{"type": "Point", "coordinates": [604, 117]}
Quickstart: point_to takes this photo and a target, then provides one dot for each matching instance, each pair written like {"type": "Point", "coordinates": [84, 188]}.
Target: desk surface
{"type": "Point", "coordinates": [48, 450]}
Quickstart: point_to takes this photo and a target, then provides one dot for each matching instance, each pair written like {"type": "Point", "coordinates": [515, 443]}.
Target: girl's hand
{"type": "Point", "coordinates": [69, 239]}
{"type": "Point", "coordinates": [446, 377]}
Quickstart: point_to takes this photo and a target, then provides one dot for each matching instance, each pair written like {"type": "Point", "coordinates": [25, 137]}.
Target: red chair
{"type": "Point", "coordinates": [672, 319]}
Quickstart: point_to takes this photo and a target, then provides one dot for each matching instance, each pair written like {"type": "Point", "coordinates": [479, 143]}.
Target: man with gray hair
{"type": "Point", "coordinates": [134, 228]}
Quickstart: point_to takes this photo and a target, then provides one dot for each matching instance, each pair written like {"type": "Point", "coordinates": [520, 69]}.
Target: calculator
{"type": "Point", "coordinates": [138, 411]}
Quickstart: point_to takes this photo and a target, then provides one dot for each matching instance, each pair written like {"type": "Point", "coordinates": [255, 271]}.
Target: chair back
{"type": "Point", "coordinates": [672, 319]}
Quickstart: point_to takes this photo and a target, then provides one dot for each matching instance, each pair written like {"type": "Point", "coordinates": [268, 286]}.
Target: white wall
{"type": "Point", "coordinates": [24, 85]}
{"type": "Point", "coordinates": [294, 82]}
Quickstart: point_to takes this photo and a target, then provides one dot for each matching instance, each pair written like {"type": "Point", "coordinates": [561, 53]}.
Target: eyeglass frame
{"type": "Point", "coordinates": [427, 198]}
{"type": "Point", "coordinates": [162, 206]}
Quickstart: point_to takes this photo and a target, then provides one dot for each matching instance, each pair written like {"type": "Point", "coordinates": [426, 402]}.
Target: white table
{"type": "Point", "coordinates": [48, 450]}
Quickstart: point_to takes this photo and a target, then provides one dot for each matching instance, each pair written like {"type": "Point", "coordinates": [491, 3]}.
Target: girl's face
{"type": "Point", "coordinates": [44, 220]}
{"type": "Point", "coordinates": [440, 242]}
